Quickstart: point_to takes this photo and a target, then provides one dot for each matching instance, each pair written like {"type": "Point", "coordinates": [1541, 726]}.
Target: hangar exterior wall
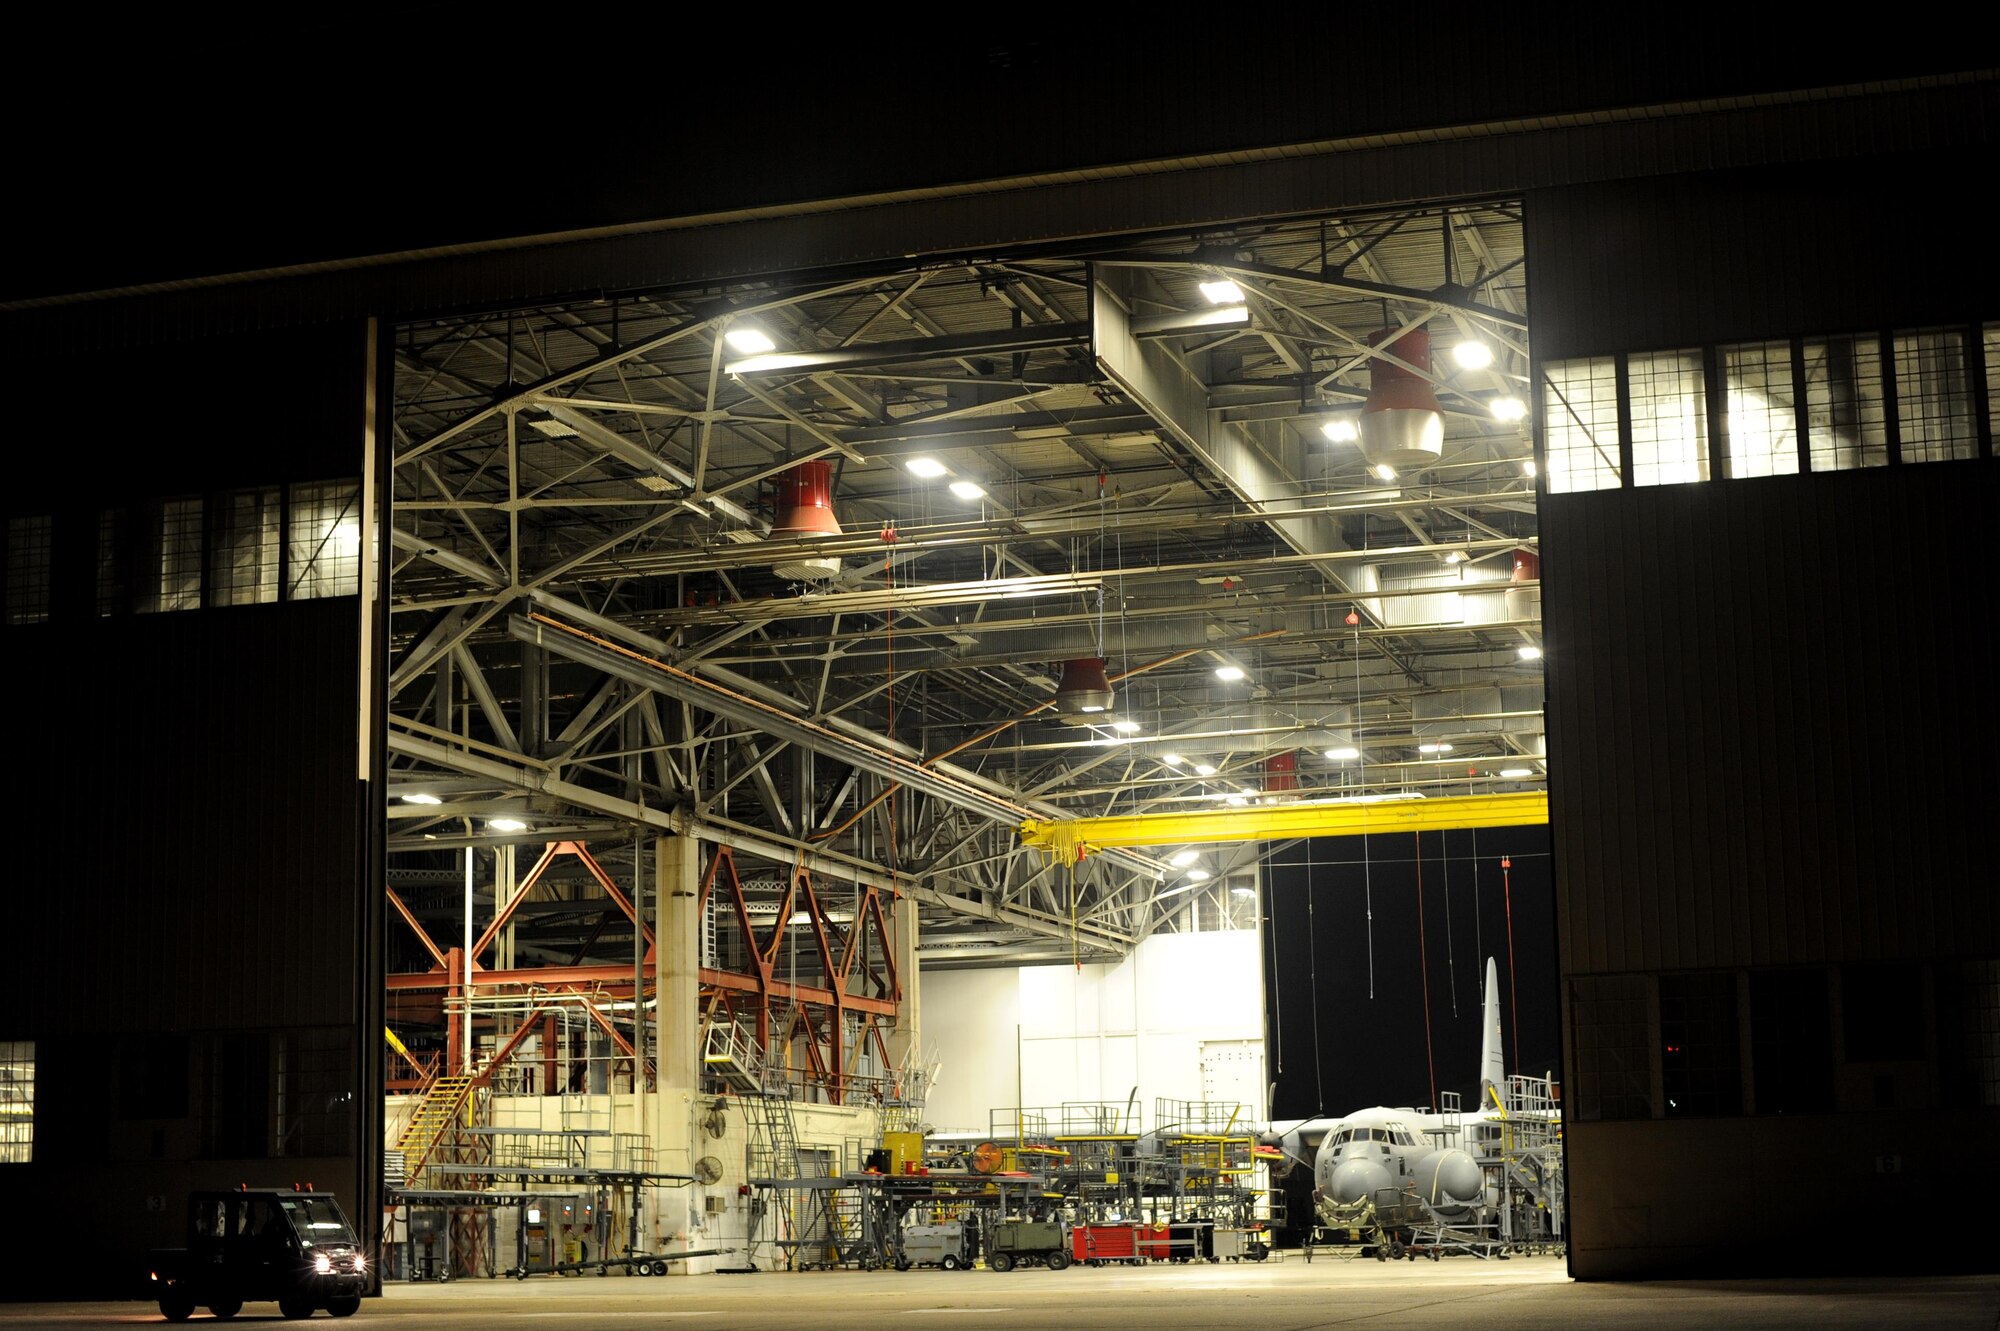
{"type": "Point", "coordinates": [197, 948]}
{"type": "Point", "coordinates": [1780, 956]}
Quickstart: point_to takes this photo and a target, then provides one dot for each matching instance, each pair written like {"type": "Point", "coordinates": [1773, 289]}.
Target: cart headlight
{"type": "Point", "coordinates": [360, 1263]}
{"type": "Point", "coordinates": [323, 1264]}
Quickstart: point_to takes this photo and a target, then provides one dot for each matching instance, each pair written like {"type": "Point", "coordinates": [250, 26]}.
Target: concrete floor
{"type": "Point", "coordinates": [1285, 1294]}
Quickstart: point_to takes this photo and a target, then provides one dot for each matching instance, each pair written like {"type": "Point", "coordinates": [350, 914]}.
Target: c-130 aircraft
{"type": "Point", "coordinates": [1403, 1149]}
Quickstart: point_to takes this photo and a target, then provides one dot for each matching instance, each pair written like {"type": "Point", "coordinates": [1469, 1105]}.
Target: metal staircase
{"type": "Point", "coordinates": [435, 1115]}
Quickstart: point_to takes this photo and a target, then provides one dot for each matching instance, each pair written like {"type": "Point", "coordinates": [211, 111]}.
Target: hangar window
{"type": "Point", "coordinates": [29, 542]}
{"type": "Point", "coordinates": [176, 563]}
{"type": "Point", "coordinates": [1791, 1041]}
{"type": "Point", "coordinates": [1933, 399]}
{"type": "Point", "coordinates": [17, 1101]}
{"type": "Point", "coordinates": [1990, 337]}
{"type": "Point", "coordinates": [312, 1092]}
{"type": "Point", "coordinates": [1848, 423]}
{"type": "Point", "coordinates": [1762, 420]}
{"type": "Point", "coordinates": [1580, 430]}
{"type": "Point", "coordinates": [243, 565]}
{"type": "Point", "coordinates": [1968, 999]}
{"type": "Point", "coordinates": [1669, 418]}
{"type": "Point", "coordinates": [1611, 1020]}
{"type": "Point", "coordinates": [1701, 1073]}
{"type": "Point", "coordinates": [325, 540]}
{"type": "Point", "coordinates": [114, 562]}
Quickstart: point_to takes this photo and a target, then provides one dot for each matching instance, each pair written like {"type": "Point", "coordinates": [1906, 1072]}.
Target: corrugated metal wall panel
{"type": "Point", "coordinates": [1759, 722]}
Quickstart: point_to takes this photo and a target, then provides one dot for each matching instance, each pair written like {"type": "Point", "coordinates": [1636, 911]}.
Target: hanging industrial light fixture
{"type": "Point", "coordinates": [1083, 689]}
{"type": "Point", "coordinates": [805, 509]}
{"type": "Point", "coordinates": [1402, 424]}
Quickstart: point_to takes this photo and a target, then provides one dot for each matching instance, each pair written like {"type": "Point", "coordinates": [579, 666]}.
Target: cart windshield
{"type": "Point", "coordinates": [317, 1220]}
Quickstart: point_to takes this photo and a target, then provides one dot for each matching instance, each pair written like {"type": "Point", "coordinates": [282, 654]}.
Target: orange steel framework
{"type": "Point", "coordinates": [855, 969]}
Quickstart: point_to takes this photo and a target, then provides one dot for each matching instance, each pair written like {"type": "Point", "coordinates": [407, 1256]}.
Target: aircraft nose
{"type": "Point", "coordinates": [1354, 1180]}
{"type": "Point", "coordinates": [1451, 1176]}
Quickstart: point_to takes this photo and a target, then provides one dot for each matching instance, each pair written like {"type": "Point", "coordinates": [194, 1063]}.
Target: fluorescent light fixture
{"type": "Point", "coordinates": [1242, 891]}
{"type": "Point", "coordinates": [1184, 859]}
{"type": "Point", "coordinates": [1472, 355]}
{"type": "Point", "coordinates": [1434, 748]}
{"type": "Point", "coordinates": [1384, 472]}
{"type": "Point", "coordinates": [1200, 875]}
{"type": "Point", "coordinates": [1126, 727]}
{"type": "Point", "coordinates": [749, 340]}
{"type": "Point", "coordinates": [1516, 773]}
{"type": "Point", "coordinates": [1203, 769]}
{"type": "Point", "coordinates": [1341, 430]}
{"type": "Point", "coordinates": [506, 824]}
{"type": "Point", "coordinates": [968, 490]}
{"type": "Point", "coordinates": [1222, 291]}
{"type": "Point", "coordinates": [1229, 673]}
{"type": "Point", "coordinates": [928, 468]}
{"type": "Point", "coordinates": [1528, 467]}
{"type": "Point", "coordinates": [421, 798]}
{"type": "Point", "coordinates": [1509, 409]}
{"type": "Point", "coordinates": [1091, 707]}
{"type": "Point", "coordinates": [1172, 759]}
{"type": "Point", "coordinates": [1529, 652]}
{"type": "Point", "coordinates": [1344, 755]}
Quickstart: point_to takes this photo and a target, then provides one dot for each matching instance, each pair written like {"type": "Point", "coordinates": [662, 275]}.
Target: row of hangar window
{"type": "Point", "coordinates": [1786, 1040]}
{"type": "Point", "coordinates": [257, 546]}
{"type": "Point", "coordinates": [1812, 404]}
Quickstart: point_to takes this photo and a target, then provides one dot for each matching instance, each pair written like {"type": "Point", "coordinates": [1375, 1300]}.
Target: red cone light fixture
{"type": "Point", "coordinates": [1402, 425]}
{"type": "Point", "coordinates": [1281, 772]}
{"type": "Point", "coordinates": [1523, 602]}
{"type": "Point", "coordinates": [1083, 691]}
{"type": "Point", "coordinates": [805, 509]}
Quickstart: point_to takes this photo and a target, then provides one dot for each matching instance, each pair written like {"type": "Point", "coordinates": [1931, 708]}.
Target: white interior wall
{"type": "Point", "coordinates": [1064, 1035]}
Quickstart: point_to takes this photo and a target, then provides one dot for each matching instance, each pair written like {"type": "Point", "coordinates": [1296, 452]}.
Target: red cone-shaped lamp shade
{"type": "Point", "coordinates": [1083, 689]}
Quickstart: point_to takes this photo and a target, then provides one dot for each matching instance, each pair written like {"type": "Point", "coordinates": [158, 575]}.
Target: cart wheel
{"type": "Point", "coordinates": [1058, 1261]}
{"type": "Point", "coordinates": [948, 1262]}
{"type": "Point", "coordinates": [1001, 1262]}
{"type": "Point", "coordinates": [1395, 1250]}
{"type": "Point", "coordinates": [659, 1268]}
{"type": "Point", "coordinates": [1434, 1254]}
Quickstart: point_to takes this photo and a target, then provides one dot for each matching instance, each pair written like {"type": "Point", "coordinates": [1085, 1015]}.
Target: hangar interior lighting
{"type": "Point", "coordinates": [968, 490]}
{"type": "Point", "coordinates": [1472, 354]}
{"type": "Point", "coordinates": [1222, 291]}
{"type": "Point", "coordinates": [928, 468]}
{"type": "Point", "coordinates": [1229, 673]}
{"type": "Point", "coordinates": [749, 340]}
{"type": "Point", "coordinates": [1345, 754]}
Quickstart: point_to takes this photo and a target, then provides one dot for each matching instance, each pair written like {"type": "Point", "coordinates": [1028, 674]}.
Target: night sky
{"type": "Point", "coordinates": [1371, 1050]}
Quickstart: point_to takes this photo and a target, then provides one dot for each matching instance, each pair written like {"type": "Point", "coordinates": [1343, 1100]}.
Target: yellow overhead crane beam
{"type": "Point", "coordinates": [1071, 839]}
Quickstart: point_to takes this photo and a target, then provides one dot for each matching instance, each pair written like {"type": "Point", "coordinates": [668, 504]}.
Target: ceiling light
{"type": "Point", "coordinates": [1384, 472]}
{"type": "Point", "coordinates": [967, 490]}
{"type": "Point", "coordinates": [1516, 773]}
{"type": "Point", "coordinates": [1402, 421]}
{"type": "Point", "coordinates": [1203, 769]}
{"type": "Point", "coordinates": [928, 468]}
{"type": "Point", "coordinates": [1172, 759]}
{"type": "Point", "coordinates": [1341, 430]}
{"type": "Point", "coordinates": [1229, 673]}
{"type": "Point", "coordinates": [1236, 801]}
{"type": "Point", "coordinates": [1509, 408]}
{"type": "Point", "coordinates": [1184, 859]}
{"type": "Point", "coordinates": [749, 340]}
{"type": "Point", "coordinates": [1528, 467]}
{"type": "Point", "coordinates": [421, 799]}
{"type": "Point", "coordinates": [506, 824]}
{"type": "Point", "coordinates": [1433, 748]}
{"type": "Point", "coordinates": [1222, 291]}
{"type": "Point", "coordinates": [1200, 875]}
{"type": "Point", "coordinates": [1529, 652]}
{"type": "Point", "coordinates": [1472, 354]}
{"type": "Point", "coordinates": [1455, 557]}
{"type": "Point", "coordinates": [1126, 727]}
{"type": "Point", "coordinates": [1346, 755]}
{"type": "Point", "coordinates": [1242, 891]}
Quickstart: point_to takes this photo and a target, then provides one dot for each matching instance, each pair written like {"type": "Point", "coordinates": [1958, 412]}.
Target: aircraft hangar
{"type": "Point", "coordinates": [737, 685]}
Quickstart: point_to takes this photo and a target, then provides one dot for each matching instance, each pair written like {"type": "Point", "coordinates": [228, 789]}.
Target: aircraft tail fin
{"type": "Point", "coordinates": [1492, 1060]}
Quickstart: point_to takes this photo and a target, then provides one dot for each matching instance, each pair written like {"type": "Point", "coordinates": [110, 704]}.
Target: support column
{"type": "Point", "coordinates": [906, 1043]}
{"type": "Point", "coordinates": [677, 982]}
